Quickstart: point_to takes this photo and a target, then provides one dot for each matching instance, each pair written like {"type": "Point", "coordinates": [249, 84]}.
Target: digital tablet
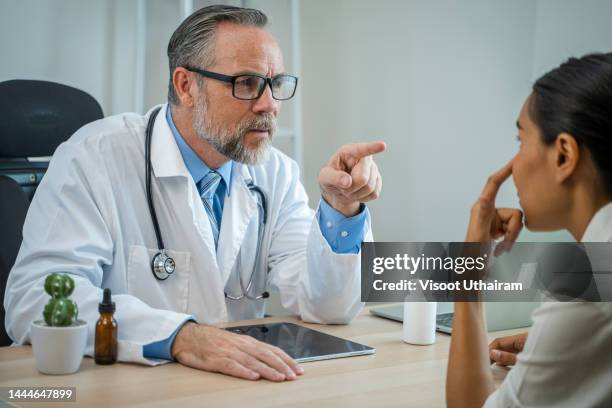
{"type": "Point", "coordinates": [301, 343]}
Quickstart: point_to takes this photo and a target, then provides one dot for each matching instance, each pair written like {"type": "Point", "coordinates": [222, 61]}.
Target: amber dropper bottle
{"type": "Point", "coordinates": [106, 332]}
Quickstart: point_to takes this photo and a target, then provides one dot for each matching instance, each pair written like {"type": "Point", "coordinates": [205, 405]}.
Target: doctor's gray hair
{"type": "Point", "coordinates": [192, 43]}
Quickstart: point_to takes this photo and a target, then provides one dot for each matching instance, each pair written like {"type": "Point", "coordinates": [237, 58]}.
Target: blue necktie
{"type": "Point", "coordinates": [207, 187]}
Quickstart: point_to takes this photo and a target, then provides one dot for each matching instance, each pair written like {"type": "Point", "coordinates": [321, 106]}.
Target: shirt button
{"type": "Point", "coordinates": [344, 234]}
{"type": "Point", "coordinates": [329, 224]}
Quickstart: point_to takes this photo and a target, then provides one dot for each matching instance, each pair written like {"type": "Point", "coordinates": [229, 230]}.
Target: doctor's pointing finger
{"type": "Point", "coordinates": [351, 177]}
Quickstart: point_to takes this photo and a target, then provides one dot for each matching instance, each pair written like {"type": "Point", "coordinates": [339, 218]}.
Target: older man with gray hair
{"type": "Point", "coordinates": [189, 215]}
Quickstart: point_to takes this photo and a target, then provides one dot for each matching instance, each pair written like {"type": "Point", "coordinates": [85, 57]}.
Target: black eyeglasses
{"type": "Point", "coordinates": [251, 86]}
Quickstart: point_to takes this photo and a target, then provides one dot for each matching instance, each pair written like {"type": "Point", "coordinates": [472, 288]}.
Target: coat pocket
{"type": "Point", "coordinates": [169, 294]}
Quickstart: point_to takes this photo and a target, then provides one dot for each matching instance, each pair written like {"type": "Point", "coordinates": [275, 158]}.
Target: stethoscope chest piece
{"type": "Point", "coordinates": [162, 265]}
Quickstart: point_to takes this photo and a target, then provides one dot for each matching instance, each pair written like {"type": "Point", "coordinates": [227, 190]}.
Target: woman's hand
{"type": "Point", "coordinates": [487, 222]}
{"type": "Point", "coordinates": [469, 380]}
{"type": "Point", "coordinates": [503, 350]}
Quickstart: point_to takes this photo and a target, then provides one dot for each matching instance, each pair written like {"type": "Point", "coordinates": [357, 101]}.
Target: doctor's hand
{"type": "Point", "coordinates": [487, 222]}
{"type": "Point", "coordinates": [212, 349]}
{"type": "Point", "coordinates": [351, 177]}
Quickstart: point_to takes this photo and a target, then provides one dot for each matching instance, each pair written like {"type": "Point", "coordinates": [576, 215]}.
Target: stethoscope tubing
{"type": "Point", "coordinates": [262, 216]}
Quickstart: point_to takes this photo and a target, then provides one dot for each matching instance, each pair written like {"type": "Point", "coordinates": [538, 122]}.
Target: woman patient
{"type": "Point", "coordinates": [563, 175]}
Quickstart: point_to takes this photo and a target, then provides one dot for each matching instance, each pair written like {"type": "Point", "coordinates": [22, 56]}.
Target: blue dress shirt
{"type": "Point", "coordinates": [344, 235]}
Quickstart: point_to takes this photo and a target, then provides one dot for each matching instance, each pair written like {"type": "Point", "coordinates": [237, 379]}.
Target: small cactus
{"type": "Point", "coordinates": [60, 311]}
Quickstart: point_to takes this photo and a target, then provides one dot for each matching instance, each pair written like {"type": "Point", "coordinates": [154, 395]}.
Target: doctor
{"type": "Point", "coordinates": [227, 212]}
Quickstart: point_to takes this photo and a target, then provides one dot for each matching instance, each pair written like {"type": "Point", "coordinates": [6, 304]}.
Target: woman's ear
{"type": "Point", "coordinates": [567, 155]}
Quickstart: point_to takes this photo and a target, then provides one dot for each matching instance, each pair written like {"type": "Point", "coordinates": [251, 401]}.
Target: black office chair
{"type": "Point", "coordinates": [35, 117]}
{"type": "Point", "coordinates": [13, 207]}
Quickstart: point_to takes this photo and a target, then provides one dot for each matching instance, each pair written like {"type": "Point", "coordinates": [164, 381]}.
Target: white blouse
{"type": "Point", "coordinates": [567, 359]}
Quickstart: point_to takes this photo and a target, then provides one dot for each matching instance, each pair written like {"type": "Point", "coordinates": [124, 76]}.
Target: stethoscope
{"type": "Point", "coordinates": [163, 265]}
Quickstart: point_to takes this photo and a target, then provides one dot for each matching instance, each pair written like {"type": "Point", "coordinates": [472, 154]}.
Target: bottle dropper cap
{"type": "Point", "coordinates": [107, 304]}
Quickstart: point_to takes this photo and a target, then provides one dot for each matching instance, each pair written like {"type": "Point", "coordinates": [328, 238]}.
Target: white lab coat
{"type": "Point", "coordinates": [89, 218]}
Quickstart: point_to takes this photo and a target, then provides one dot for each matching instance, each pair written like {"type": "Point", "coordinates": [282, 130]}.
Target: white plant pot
{"type": "Point", "coordinates": [58, 350]}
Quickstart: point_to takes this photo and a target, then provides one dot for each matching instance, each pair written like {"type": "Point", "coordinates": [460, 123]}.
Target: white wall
{"type": "Point", "coordinates": [567, 28]}
{"type": "Point", "coordinates": [440, 81]}
{"type": "Point", "coordinates": [52, 41]}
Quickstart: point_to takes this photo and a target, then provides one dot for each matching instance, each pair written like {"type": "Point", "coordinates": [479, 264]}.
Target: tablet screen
{"type": "Point", "coordinates": [301, 343]}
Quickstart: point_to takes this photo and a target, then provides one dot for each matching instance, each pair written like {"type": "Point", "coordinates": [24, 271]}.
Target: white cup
{"type": "Point", "coordinates": [419, 323]}
{"type": "Point", "coordinates": [58, 350]}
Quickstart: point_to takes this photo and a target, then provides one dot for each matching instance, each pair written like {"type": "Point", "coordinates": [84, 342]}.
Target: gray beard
{"type": "Point", "coordinates": [231, 143]}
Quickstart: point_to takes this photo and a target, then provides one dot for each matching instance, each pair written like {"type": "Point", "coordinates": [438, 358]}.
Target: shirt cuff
{"type": "Point", "coordinates": [344, 235]}
{"type": "Point", "coordinates": [163, 349]}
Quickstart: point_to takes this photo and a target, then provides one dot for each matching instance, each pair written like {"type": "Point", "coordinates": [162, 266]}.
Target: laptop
{"type": "Point", "coordinates": [499, 315]}
{"type": "Point", "coordinates": [301, 343]}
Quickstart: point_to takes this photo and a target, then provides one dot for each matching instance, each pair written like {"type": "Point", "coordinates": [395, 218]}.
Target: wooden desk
{"type": "Point", "coordinates": [398, 374]}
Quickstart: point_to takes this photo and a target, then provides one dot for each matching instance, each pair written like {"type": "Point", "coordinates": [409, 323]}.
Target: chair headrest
{"type": "Point", "coordinates": [37, 116]}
